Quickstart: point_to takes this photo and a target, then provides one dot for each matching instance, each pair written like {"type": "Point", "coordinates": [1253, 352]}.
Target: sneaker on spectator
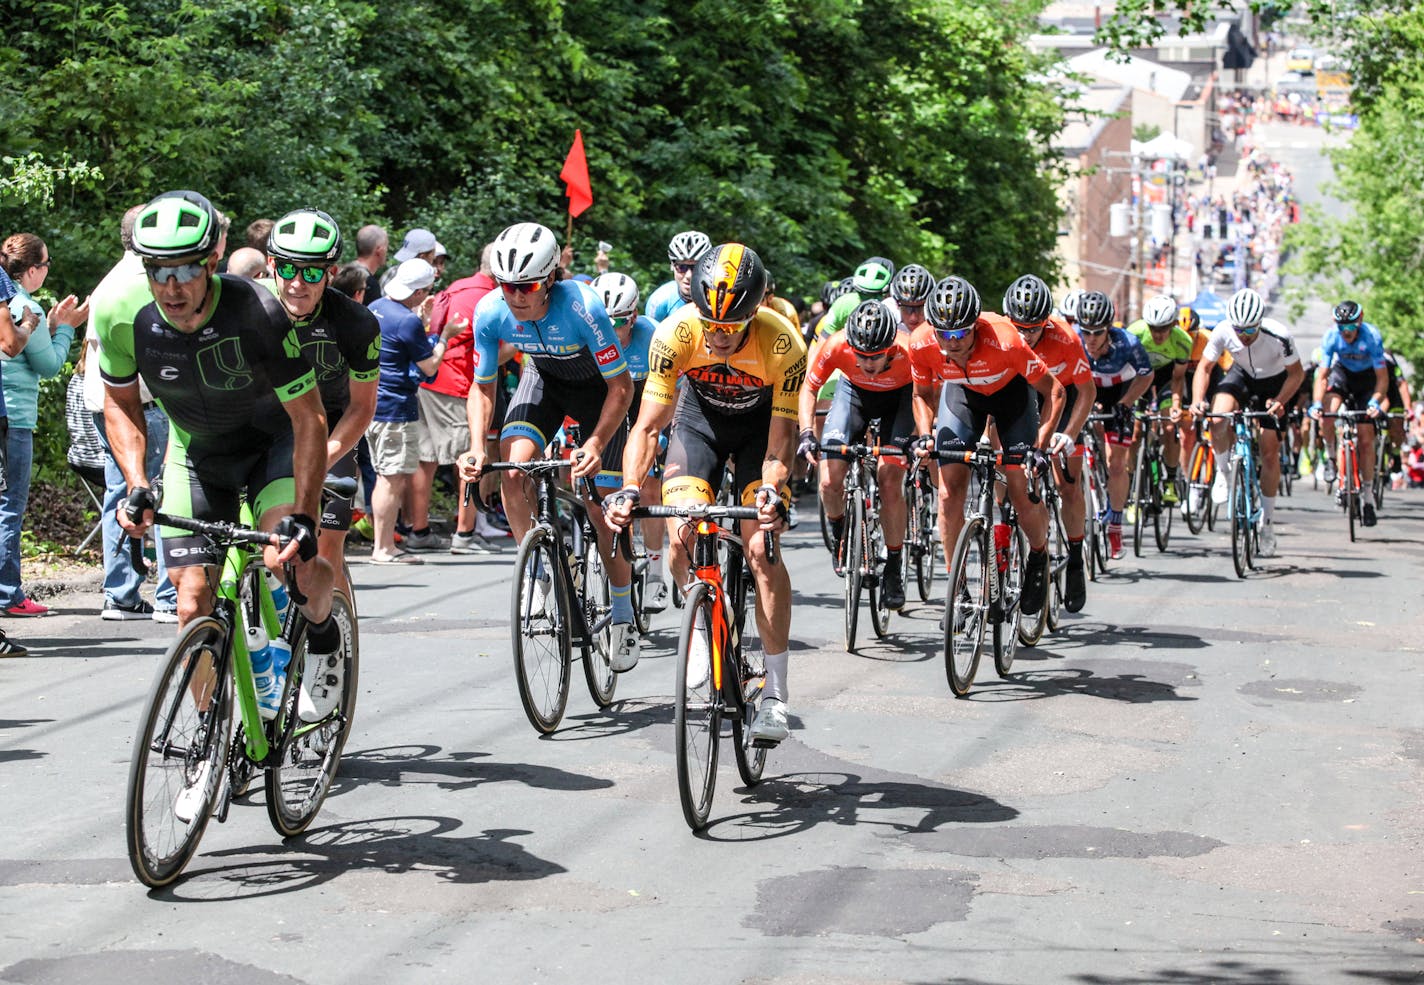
{"type": "Point", "coordinates": [169, 616]}
{"type": "Point", "coordinates": [10, 648]}
{"type": "Point", "coordinates": [29, 607]}
{"type": "Point", "coordinates": [489, 529]}
{"type": "Point", "coordinates": [115, 611]}
{"type": "Point", "coordinates": [471, 543]}
{"type": "Point", "coordinates": [428, 541]}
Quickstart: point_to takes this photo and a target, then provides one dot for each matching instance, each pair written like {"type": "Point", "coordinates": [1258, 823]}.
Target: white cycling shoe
{"type": "Point", "coordinates": [770, 722]}
{"type": "Point", "coordinates": [624, 648]}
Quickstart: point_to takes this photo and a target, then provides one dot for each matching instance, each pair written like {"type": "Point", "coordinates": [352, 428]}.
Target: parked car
{"type": "Point", "coordinates": [1300, 60]}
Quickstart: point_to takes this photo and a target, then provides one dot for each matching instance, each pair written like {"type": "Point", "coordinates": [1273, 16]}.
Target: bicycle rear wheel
{"type": "Point", "coordinates": [1349, 486]}
{"type": "Point", "coordinates": [926, 516]}
{"type": "Point", "coordinates": [310, 753]}
{"type": "Point", "coordinates": [1141, 495]}
{"type": "Point", "coordinates": [179, 753]}
{"type": "Point", "coordinates": [879, 611]}
{"type": "Point", "coordinates": [853, 569]}
{"type": "Point", "coordinates": [751, 665]}
{"type": "Point", "coordinates": [1009, 626]}
{"type": "Point", "coordinates": [597, 603]}
{"type": "Point", "coordinates": [966, 606]}
{"type": "Point", "coordinates": [698, 715]}
{"type": "Point", "coordinates": [1057, 571]}
{"type": "Point", "coordinates": [540, 630]}
{"type": "Point", "coordinates": [1161, 518]}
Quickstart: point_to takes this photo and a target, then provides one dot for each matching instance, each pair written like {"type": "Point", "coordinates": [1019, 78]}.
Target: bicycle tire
{"type": "Point", "coordinates": [697, 717]}
{"type": "Point", "coordinates": [879, 611]}
{"type": "Point", "coordinates": [827, 537]}
{"type": "Point", "coordinates": [1006, 630]}
{"type": "Point", "coordinates": [1240, 523]}
{"type": "Point", "coordinates": [310, 755]}
{"type": "Point", "coordinates": [1057, 570]}
{"type": "Point", "coordinates": [852, 569]}
{"type": "Point", "coordinates": [159, 843]}
{"type": "Point", "coordinates": [1098, 504]}
{"type": "Point", "coordinates": [966, 606]}
{"type": "Point", "coordinates": [1161, 518]}
{"type": "Point", "coordinates": [1140, 495]}
{"type": "Point", "coordinates": [751, 664]}
{"type": "Point", "coordinates": [925, 518]}
{"type": "Point", "coordinates": [598, 602]}
{"type": "Point", "coordinates": [542, 639]}
{"type": "Point", "coordinates": [1198, 482]}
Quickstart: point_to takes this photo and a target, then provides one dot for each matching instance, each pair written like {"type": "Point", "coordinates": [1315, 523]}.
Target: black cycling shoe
{"type": "Point", "coordinates": [838, 557]}
{"type": "Point", "coordinates": [1075, 592]}
{"type": "Point", "coordinates": [1367, 514]}
{"type": "Point", "coordinates": [1035, 583]}
{"type": "Point", "coordinates": [892, 589]}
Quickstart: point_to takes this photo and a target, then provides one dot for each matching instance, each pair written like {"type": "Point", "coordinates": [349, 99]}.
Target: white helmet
{"type": "Point", "coordinates": [1069, 305]}
{"type": "Point", "coordinates": [618, 292]}
{"type": "Point", "coordinates": [1160, 312]}
{"type": "Point", "coordinates": [688, 247]}
{"type": "Point", "coordinates": [1245, 308]}
{"type": "Point", "coordinates": [526, 251]}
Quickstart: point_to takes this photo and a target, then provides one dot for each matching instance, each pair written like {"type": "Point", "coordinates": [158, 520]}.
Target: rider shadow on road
{"type": "Point", "coordinates": [1054, 682]}
{"type": "Point", "coordinates": [393, 845]}
{"type": "Point", "coordinates": [1236, 973]}
{"type": "Point", "coordinates": [823, 789]}
{"type": "Point", "coordinates": [402, 766]}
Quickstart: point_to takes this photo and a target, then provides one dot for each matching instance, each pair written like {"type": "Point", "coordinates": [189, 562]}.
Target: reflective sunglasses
{"type": "Point", "coordinates": [1035, 327]}
{"type": "Point", "coordinates": [683, 268]}
{"type": "Point", "coordinates": [726, 327]}
{"type": "Point", "coordinates": [288, 270]}
{"type": "Point", "coordinates": [524, 286]}
{"type": "Point", "coordinates": [1240, 330]}
{"type": "Point", "coordinates": [182, 273]}
{"type": "Point", "coordinates": [1093, 331]}
{"type": "Point", "coordinates": [869, 357]}
{"type": "Point", "coordinates": [1348, 326]}
{"type": "Point", "coordinates": [954, 334]}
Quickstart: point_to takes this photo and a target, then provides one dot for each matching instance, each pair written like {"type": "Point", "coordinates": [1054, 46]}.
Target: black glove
{"type": "Point", "coordinates": [809, 447]}
{"type": "Point", "coordinates": [302, 529]}
{"type": "Point", "coordinates": [1035, 461]}
{"type": "Point", "coordinates": [924, 442]}
{"type": "Point", "coordinates": [140, 501]}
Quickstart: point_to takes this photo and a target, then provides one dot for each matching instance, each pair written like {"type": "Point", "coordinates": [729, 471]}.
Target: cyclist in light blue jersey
{"type": "Point", "coordinates": [1352, 371]}
{"type": "Point", "coordinates": [685, 249]}
{"type": "Point", "coordinates": [564, 331]}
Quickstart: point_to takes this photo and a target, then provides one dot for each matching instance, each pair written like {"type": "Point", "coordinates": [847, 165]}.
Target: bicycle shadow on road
{"type": "Point", "coordinates": [1244, 973]}
{"type": "Point", "coordinates": [393, 845]}
{"type": "Point", "coordinates": [1129, 688]}
{"type": "Point", "coordinates": [824, 789]}
{"type": "Point", "coordinates": [403, 766]}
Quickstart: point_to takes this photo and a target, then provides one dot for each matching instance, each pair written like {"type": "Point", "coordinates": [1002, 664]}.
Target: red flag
{"type": "Point", "coordinates": [575, 176]}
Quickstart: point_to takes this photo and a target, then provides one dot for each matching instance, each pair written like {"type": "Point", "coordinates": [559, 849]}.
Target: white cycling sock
{"type": "Point", "coordinates": [775, 686]}
{"type": "Point", "coordinates": [655, 567]}
{"type": "Point", "coordinates": [1268, 508]}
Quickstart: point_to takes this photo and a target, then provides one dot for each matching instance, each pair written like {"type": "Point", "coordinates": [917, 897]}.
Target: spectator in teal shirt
{"type": "Point", "coordinates": [25, 258]}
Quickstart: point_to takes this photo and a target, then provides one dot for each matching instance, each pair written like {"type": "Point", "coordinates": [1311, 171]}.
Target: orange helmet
{"type": "Point", "coordinates": [728, 283]}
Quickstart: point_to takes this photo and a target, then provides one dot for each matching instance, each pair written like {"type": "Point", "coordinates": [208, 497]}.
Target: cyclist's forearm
{"type": "Point", "coordinates": [127, 432]}
{"type": "Point", "coordinates": [780, 449]}
{"type": "Point", "coordinates": [615, 408]}
{"type": "Point", "coordinates": [1082, 407]}
{"type": "Point", "coordinates": [1137, 389]}
{"type": "Point", "coordinates": [479, 408]}
{"type": "Point", "coordinates": [924, 409]}
{"type": "Point", "coordinates": [1295, 375]}
{"type": "Point", "coordinates": [308, 452]}
{"type": "Point", "coordinates": [354, 421]}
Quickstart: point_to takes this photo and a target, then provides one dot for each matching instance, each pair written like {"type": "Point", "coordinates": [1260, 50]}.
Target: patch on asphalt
{"type": "Point", "coordinates": [142, 966]}
{"type": "Point", "coordinates": [865, 902]}
{"type": "Point", "coordinates": [1300, 689]}
{"type": "Point", "coordinates": [1063, 841]}
{"type": "Point", "coordinates": [63, 872]}
{"type": "Point", "coordinates": [1413, 747]}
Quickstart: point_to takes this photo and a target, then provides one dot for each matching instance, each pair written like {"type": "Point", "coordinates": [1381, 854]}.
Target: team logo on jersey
{"type": "Point", "coordinates": [684, 334]}
{"type": "Point", "coordinates": [606, 356]}
{"type": "Point", "coordinates": [223, 367]}
{"type": "Point", "coordinates": [169, 373]}
{"type": "Point", "coordinates": [1081, 368]}
{"type": "Point", "coordinates": [781, 346]}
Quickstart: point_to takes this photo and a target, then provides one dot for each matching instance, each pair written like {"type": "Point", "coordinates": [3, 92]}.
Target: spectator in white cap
{"type": "Point", "coordinates": [395, 447]}
{"type": "Point", "coordinates": [418, 243]}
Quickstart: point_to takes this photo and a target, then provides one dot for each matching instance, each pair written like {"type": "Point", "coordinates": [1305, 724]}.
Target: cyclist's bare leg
{"type": "Point", "coordinates": [953, 487]}
{"type": "Point", "coordinates": [1171, 446]}
{"type": "Point", "coordinates": [1071, 494]}
{"type": "Point", "coordinates": [1033, 517]}
{"type": "Point", "coordinates": [893, 511]}
{"type": "Point", "coordinates": [195, 591]}
{"type": "Point", "coordinates": [331, 546]}
{"type": "Point", "coordinates": [1330, 405]}
{"type": "Point", "coordinates": [515, 490]}
{"type": "Point", "coordinates": [620, 569]}
{"type": "Point", "coordinates": [833, 473]}
{"type": "Point", "coordinates": [1222, 403]}
{"type": "Point", "coordinates": [1365, 436]}
{"type": "Point", "coordinates": [1118, 479]}
{"type": "Point", "coordinates": [773, 601]}
{"type": "Point", "coordinates": [1270, 462]}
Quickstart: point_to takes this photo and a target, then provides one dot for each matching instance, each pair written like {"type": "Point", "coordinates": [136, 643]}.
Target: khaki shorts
{"type": "Point", "coordinates": [394, 448]}
{"type": "Point", "coordinates": [443, 430]}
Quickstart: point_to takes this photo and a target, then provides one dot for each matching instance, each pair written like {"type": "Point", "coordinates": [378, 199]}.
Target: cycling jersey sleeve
{"type": "Point", "coordinates": [824, 364]}
{"type": "Point", "coordinates": [1215, 345]}
{"type": "Point", "coordinates": [786, 360]}
{"type": "Point", "coordinates": [1138, 357]}
{"type": "Point", "coordinates": [491, 316]}
{"type": "Point", "coordinates": [598, 335]}
{"type": "Point", "coordinates": [665, 363]}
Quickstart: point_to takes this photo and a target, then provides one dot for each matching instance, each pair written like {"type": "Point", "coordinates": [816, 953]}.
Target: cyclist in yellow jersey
{"type": "Point", "coordinates": [742, 367]}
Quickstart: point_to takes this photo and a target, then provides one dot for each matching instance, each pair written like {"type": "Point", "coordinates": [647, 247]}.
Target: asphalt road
{"type": "Point", "coordinates": [1201, 779]}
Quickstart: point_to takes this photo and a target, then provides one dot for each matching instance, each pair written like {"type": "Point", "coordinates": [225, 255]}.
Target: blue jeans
{"type": "Point", "coordinates": [121, 581]}
{"type": "Point", "coordinates": [19, 455]}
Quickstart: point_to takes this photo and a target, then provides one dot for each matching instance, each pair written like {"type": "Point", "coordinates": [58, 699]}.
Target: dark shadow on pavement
{"type": "Point", "coordinates": [401, 766]}
{"type": "Point", "coordinates": [1054, 682]}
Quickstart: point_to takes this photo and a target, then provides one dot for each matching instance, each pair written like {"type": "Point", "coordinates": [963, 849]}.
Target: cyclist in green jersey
{"type": "Point", "coordinates": [220, 356]}
{"type": "Point", "coordinates": [1169, 349]}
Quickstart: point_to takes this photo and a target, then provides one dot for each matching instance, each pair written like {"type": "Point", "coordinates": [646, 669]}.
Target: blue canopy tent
{"type": "Point", "coordinates": [1210, 308]}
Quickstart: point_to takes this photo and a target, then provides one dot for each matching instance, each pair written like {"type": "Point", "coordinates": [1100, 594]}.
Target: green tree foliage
{"type": "Point", "coordinates": [819, 131]}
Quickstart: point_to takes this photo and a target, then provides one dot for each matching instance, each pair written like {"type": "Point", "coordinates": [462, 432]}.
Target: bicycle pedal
{"type": "Point", "coordinates": [765, 743]}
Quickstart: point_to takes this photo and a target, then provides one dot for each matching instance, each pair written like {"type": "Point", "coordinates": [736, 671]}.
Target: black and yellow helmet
{"type": "Point", "coordinates": [728, 283]}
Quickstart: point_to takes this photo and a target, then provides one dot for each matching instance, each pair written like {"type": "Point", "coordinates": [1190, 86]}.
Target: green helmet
{"type": "Point", "coordinates": [874, 276]}
{"type": "Point", "coordinates": [177, 225]}
{"type": "Point", "coordinates": [306, 235]}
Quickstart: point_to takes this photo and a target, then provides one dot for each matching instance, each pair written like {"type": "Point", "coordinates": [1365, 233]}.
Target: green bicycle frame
{"type": "Point", "coordinates": [235, 564]}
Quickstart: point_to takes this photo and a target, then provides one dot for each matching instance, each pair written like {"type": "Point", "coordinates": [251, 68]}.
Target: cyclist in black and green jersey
{"type": "Point", "coordinates": [341, 341]}
{"type": "Point", "coordinates": [1169, 349]}
{"type": "Point", "coordinates": [221, 358]}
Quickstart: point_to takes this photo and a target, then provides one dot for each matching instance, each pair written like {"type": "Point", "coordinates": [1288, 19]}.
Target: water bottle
{"type": "Point", "coordinates": [269, 691]}
{"type": "Point", "coordinates": [1001, 546]}
{"type": "Point", "coordinates": [280, 598]}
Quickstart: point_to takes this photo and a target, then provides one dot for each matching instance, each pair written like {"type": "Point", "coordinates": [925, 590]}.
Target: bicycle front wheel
{"type": "Point", "coordinates": [879, 611]}
{"type": "Point", "coordinates": [1240, 523]}
{"type": "Point", "coordinates": [697, 718]}
{"type": "Point", "coordinates": [1009, 626]}
{"type": "Point", "coordinates": [853, 568]}
{"type": "Point", "coordinates": [1349, 486]}
{"type": "Point", "coordinates": [540, 630]}
{"type": "Point", "coordinates": [310, 752]}
{"type": "Point", "coordinates": [1161, 518]}
{"type": "Point", "coordinates": [597, 604]}
{"type": "Point", "coordinates": [751, 665]}
{"type": "Point", "coordinates": [179, 754]}
{"type": "Point", "coordinates": [966, 606]}
{"type": "Point", "coordinates": [1141, 496]}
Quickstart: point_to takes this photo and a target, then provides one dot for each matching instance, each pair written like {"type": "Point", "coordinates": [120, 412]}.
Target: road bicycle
{"type": "Point", "coordinates": [985, 572]}
{"type": "Point", "coordinates": [1197, 507]}
{"type": "Point", "coordinates": [921, 526]}
{"type": "Point", "coordinates": [864, 561]}
{"type": "Point", "coordinates": [1043, 487]}
{"type": "Point", "coordinates": [560, 598]}
{"type": "Point", "coordinates": [1095, 495]}
{"type": "Point", "coordinates": [1149, 484]}
{"type": "Point", "coordinates": [1244, 495]}
{"type": "Point", "coordinates": [1350, 491]}
{"type": "Point", "coordinates": [718, 674]}
{"type": "Point", "coordinates": [188, 762]}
